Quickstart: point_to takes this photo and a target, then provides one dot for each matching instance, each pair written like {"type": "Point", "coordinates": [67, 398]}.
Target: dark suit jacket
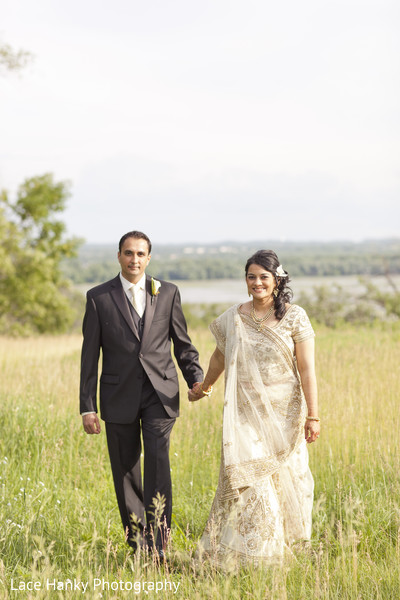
{"type": "Point", "coordinates": [108, 324]}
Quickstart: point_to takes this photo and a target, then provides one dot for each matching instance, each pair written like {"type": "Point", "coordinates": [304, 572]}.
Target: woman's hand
{"type": "Point", "coordinates": [311, 430]}
{"type": "Point", "coordinates": [215, 368]}
{"type": "Point", "coordinates": [196, 392]}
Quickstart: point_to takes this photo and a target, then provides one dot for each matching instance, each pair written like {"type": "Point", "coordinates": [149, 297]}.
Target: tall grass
{"type": "Point", "coordinates": [58, 513]}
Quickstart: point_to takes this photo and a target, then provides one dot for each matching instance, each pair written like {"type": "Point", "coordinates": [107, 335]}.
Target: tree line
{"type": "Point", "coordinates": [95, 263]}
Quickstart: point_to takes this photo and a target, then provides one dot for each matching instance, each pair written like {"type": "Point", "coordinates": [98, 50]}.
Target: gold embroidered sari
{"type": "Point", "coordinates": [265, 490]}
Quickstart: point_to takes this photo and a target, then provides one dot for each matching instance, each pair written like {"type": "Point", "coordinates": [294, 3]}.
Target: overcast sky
{"type": "Point", "coordinates": [208, 121]}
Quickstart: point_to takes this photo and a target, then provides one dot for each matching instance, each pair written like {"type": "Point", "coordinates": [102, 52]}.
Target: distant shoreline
{"type": "Point", "coordinates": [231, 291]}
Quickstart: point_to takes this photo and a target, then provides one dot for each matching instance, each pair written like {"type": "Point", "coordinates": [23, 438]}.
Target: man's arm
{"type": "Point", "coordinates": [89, 368]}
{"type": "Point", "coordinates": [185, 353]}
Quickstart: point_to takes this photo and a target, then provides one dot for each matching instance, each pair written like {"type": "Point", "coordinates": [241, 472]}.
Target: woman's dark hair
{"type": "Point", "coordinates": [270, 262]}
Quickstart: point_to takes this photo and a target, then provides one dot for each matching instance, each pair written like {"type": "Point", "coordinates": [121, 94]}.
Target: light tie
{"type": "Point", "coordinates": [135, 301]}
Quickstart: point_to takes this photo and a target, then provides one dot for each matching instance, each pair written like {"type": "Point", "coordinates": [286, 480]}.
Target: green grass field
{"type": "Point", "coordinates": [59, 522]}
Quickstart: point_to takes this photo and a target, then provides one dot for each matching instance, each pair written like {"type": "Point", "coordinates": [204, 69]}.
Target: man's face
{"type": "Point", "coordinates": [134, 258]}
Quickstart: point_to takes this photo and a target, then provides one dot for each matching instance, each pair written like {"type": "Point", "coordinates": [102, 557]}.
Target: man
{"type": "Point", "coordinates": [133, 319]}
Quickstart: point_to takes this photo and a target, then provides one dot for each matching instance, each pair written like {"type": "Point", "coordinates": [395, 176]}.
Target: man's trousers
{"type": "Point", "coordinates": [136, 499]}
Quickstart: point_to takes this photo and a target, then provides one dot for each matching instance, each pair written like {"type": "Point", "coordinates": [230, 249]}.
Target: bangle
{"type": "Point", "coordinates": [313, 418]}
{"type": "Point", "coordinates": [208, 391]}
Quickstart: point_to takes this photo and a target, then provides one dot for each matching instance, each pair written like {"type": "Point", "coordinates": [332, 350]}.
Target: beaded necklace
{"type": "Point", "coordinates": [260, 321]}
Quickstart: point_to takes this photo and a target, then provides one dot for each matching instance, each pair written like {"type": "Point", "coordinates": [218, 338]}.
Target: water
{"type": "Point", "coordinates": [233, 291]}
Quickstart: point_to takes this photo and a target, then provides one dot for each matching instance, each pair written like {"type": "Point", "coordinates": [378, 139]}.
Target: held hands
{"type": "Point", "coordinates": [311, 431]}
{"type": "Point", "coordinates": [196, 392]}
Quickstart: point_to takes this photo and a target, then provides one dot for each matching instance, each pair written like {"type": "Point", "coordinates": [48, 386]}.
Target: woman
{"type": "Point", "coordinates": [264, 497]}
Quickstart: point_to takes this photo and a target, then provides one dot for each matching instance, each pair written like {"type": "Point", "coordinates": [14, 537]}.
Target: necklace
{"type": "Point", "coordinates": [260, 321]}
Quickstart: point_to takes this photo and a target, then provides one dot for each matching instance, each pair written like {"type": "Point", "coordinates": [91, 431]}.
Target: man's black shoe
{"type": "Point", "coordinates": [161, 553]}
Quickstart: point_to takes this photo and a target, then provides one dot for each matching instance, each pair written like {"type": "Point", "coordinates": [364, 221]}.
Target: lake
{"type": "Point", "coordinates": [232, 291]}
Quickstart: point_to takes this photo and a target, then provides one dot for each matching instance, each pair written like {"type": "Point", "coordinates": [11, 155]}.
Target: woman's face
{"type": "Point", "coordinates": [260, 283]}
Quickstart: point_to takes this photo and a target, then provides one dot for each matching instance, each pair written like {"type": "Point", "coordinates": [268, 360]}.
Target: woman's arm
{"type": "Point", "coordinates": [215, 368]}
{"type": "Point", "coordinates": [306, 368]}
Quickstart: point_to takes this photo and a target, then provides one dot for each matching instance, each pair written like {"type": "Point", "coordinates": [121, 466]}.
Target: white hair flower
{"type": "Point", "coordinates": [280, 272]}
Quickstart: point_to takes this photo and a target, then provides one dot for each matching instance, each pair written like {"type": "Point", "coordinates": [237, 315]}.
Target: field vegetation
{"type": "Point", "coordinates": [58, 515]}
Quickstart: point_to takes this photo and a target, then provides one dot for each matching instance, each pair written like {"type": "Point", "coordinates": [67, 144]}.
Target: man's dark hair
{"type": "Point", "coordinates": [139, 235]}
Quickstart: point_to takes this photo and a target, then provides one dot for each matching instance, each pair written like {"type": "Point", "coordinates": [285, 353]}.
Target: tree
{"type": "Point", "coordinates": [13, 60]}
{"type": "Point", "coordinates": [33, 292]}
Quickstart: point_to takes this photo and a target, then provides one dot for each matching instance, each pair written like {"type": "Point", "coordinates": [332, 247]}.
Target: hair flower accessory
{"type": "Point", "coordinates": [280, 272]}
{"type": "Point", "coordinates": [155, 288]}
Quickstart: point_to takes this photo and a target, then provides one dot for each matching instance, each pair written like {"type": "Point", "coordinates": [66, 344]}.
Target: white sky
{"type": "Point", "coordinates": [208, 121]}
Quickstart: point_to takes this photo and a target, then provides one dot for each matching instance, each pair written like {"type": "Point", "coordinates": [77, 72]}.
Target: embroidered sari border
{"type": "Point", "coordinates": [246, 473]}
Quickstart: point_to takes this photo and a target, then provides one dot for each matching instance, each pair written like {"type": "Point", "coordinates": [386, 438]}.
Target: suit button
{"type": "Point", "coordinates": [141, 355]}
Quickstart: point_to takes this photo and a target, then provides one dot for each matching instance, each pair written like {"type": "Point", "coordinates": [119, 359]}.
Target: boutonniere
{"type": "Point", "coordinates": [155, 288]}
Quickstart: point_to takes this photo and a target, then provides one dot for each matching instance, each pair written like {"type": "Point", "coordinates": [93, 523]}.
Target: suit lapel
{"type": "Point", "coordinates": [151, 303]}
{"type": "Point", "coordinates": [120, 299]}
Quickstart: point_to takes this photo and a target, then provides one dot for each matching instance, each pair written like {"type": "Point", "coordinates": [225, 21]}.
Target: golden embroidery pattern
{"type": "Point", "coordinates": [264, 497]}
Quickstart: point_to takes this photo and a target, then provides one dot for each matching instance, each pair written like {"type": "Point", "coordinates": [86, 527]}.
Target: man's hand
{"type": "Point", "coordinates": [196, 392]}
{"type": "Point", "coordinates": [91, 423]}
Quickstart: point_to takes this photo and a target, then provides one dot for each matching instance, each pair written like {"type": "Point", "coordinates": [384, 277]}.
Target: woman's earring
{"type": "Point", "coordinates": [249, 295]}
{"type": "Point", "coordinates": [276, 292]}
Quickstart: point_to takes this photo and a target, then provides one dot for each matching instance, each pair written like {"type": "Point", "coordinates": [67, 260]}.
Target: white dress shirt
{"type": "Point", "coordinates": [138, 288]}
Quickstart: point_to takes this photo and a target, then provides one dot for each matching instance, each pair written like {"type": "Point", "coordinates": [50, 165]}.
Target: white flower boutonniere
{"type": "Point", "coordinates": [155, 288]}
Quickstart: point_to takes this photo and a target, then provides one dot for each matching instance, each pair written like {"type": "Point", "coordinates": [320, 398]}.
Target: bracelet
{"type": "Point", "coordinates": [313, 418]}
{"type": "Point", "coordinates": [208, 391]}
